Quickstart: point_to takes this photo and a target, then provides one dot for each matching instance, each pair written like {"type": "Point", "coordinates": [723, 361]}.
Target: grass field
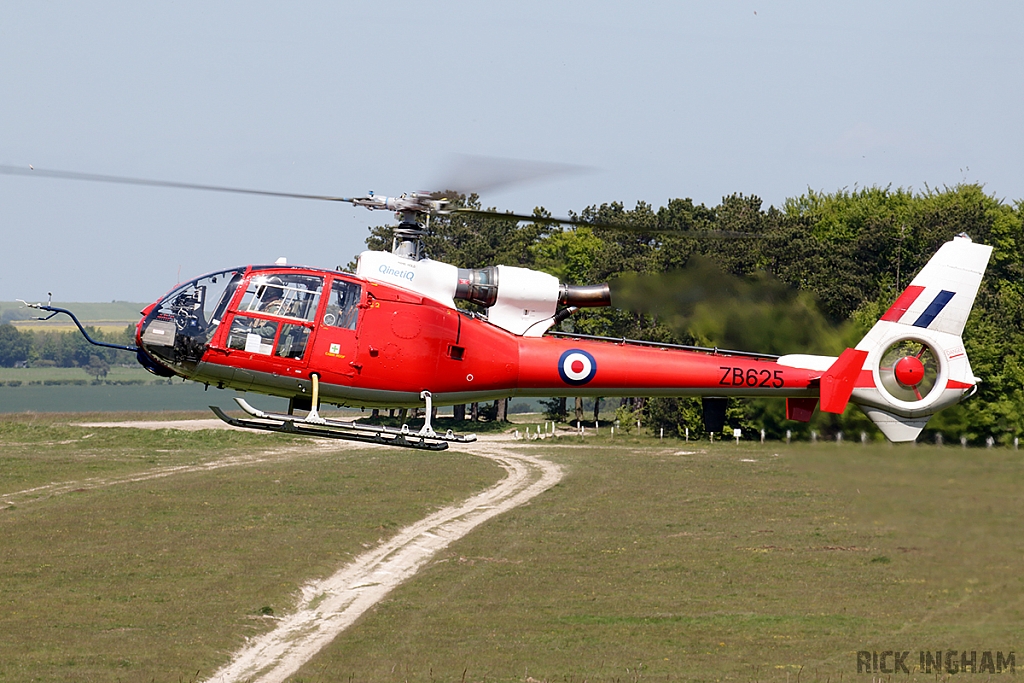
{"type": "Point", "coordinates": [649, 563]}
{"type": "Point", "coordinates": [161, 578]}
{"type": "Point", "coordinates": [88, 398]}
{"type": "Point", "coordinates": [650, 560]}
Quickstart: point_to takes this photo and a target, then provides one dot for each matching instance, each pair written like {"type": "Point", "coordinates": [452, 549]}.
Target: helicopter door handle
{"type": "Point", "coordinates": [358, 366]}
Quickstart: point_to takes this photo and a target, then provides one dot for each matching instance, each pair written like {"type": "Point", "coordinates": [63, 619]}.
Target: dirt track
{"type": "Point", "coordinates": [330, 606]}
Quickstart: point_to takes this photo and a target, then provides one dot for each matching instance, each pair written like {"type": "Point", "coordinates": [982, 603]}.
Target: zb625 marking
{"type": "Point", "coordinates": [750, 377]}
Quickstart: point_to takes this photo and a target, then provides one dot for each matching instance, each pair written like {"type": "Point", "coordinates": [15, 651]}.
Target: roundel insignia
{"type": "Point", "coordinates": [576, 367]}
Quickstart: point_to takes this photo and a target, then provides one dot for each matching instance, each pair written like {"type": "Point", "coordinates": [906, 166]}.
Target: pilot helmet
{"type": "Point", "coordinates": [271, 290]}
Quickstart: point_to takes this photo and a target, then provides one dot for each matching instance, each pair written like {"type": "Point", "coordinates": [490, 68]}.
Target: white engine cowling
{"type": "Point", "coordinates": [432, 279]}
{"type": "Point", "coordinates": [526, 303]}
{"type": "Point", "coordinates": [519, 300]}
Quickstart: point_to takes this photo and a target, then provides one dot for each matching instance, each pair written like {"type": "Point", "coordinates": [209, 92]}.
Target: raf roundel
{"type": "Point", "coordinates": [576, 367]}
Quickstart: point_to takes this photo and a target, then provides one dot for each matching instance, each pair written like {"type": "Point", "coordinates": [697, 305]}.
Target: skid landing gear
{"type": "Point", "coordinates": [338, 429]}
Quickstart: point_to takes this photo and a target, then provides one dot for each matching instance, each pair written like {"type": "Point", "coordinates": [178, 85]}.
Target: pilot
{"type": "Point", "coordinates": [272, 300]}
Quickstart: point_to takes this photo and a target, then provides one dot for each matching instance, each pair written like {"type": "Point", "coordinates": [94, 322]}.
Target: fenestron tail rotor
{"type": "Point", "coordinates": [909, 370]}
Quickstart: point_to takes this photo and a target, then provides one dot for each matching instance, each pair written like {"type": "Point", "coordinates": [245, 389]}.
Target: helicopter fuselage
{"type": "Point", "coordinates": [269, 329]}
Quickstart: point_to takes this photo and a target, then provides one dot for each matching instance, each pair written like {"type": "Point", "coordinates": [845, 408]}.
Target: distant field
{"type": "Point", "coordinates": [116, 373]}
{"type": "Point", "coordinates": [110, 317]}
{"type": "Point", "coordinates": [153, 394]}
{"type": "Point", "coordinates": [650, 560]}
{"type": "Point", "coordinates": [143, 392]}
{"type": "Point", "coordinates": [89, 398]}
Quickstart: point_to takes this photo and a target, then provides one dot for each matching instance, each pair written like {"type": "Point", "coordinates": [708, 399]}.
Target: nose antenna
{"type": "Point", "coordinates": [54, 310]}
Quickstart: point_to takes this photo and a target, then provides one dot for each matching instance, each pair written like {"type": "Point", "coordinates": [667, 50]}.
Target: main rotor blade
{"type": "Point", "coordinates": [710, 234]}
{"type": "Point", "coordinates": [473, 174]}
{"type": "Point", "coordinates": [122, 180]}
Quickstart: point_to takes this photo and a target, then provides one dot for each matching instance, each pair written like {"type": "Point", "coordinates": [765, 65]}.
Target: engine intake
{"type": "Point", "coordinates": [479, 286]}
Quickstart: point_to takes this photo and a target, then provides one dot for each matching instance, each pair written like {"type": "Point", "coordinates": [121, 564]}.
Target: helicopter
{"type": "Point", "coordinates": [391, 336]}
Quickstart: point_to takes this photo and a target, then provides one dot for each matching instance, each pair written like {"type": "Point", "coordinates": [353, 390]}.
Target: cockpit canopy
{"type": "Point", "coordinates": [178, 330]}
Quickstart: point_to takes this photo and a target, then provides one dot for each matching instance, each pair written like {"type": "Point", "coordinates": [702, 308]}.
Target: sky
{"type": "Point", "coordinates": [657, 100]}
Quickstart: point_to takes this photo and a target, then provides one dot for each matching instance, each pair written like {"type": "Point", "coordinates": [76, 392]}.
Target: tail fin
{"type": "Point", "coordinates": [915, 363]}
{"type": "Point", "coordinates": [912, 363]}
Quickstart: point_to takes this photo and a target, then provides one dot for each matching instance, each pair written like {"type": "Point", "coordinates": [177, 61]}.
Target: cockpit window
{"type": "Point", "coordinates": [289, 295]}
{"type": "Point", "coordinates": [259, 335]}
{"type": "Point", "coordinates": [342, 305]}
{"type": "Point", "coordinates": [197, 307]}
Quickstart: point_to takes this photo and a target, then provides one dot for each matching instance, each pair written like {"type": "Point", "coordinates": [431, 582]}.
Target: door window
{"type": "Point", "coordinates": [342, 306]}
{"type": "Point", "coordinates": [292, 342]}
{"type": "Point", "coordinates": [254, 335]}
{"type": "Point", "coordinates": [289, 295]}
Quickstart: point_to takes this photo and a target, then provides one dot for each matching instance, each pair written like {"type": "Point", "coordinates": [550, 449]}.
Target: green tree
{"type": "Point", "coordinates": [14, 346]}
{"type": "Point", "coordinates": [844, 257]}
{"type": "Point", "coordinates": [97, 367]}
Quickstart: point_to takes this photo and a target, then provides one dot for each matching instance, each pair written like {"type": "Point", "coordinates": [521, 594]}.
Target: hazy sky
{"type": "Point", "coordinates": [663, 100]}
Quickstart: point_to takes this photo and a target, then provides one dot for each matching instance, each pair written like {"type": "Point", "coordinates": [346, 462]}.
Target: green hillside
{"type": "Point", "coordinates": [86, 311]}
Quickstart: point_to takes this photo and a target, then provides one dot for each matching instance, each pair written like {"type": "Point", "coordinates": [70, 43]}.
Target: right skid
{"type": "Point", "coordinates": [338, 429]}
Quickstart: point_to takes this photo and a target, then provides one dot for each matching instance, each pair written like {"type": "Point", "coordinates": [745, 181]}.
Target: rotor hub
{"type": "Point", "coordinates": [909, 371]}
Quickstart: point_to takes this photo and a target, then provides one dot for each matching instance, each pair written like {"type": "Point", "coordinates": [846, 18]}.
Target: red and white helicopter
{"type": "Point", "coordinates": [392, 336]}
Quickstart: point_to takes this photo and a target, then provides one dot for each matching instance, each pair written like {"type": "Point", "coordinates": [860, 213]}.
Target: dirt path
{"type": "Point", "coordinates": [185, 425]}
{"type": "Point", "coordinates": [328, 607]}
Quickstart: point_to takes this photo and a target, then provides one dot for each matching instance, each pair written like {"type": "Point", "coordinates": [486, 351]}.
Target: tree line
{"type": "Point", "coordinates": [822, 270]}
{"type": "Point", "coordinates": [63, 349]}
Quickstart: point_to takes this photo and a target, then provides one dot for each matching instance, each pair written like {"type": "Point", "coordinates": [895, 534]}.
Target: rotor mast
{"type": "Point", "coordinates": [409, 233]}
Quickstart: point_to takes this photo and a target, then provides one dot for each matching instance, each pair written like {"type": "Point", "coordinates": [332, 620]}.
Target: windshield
{"type": "Point", "coordinates": [181, 325]}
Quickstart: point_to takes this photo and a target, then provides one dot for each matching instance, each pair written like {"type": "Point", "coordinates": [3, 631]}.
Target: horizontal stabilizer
{"type": "Point", "coordinates": [896, 428]}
